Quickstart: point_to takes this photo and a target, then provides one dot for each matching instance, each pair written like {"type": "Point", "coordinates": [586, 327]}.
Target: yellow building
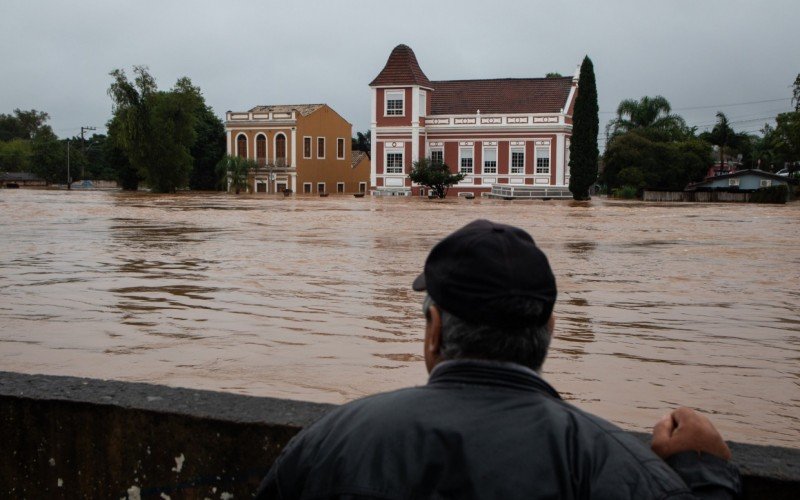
{"type": "Point", "coordinates": [305, 148]}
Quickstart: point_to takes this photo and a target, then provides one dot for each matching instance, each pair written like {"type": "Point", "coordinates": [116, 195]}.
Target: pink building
{"type": "Point", "coordinates": [505, 132]}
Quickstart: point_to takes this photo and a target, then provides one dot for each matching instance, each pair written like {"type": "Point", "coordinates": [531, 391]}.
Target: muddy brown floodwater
{"type": "Point", "coordinates": [310, 298]}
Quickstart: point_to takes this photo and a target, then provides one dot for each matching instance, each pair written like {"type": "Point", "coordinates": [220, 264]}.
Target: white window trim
{"type": "Point", "coordinates": [324, 188]}
{"type": "Point", "coordinates": [511, 160]}
{"type": "Point", "coordinates": [310, 188]}
{"type": "Point", "coordinates": [536, 160]}
{"type": "Point", "coordinates": [324, 147]}
{"type": "Point", "coordinates": [386, 153]}
{"type": "Point", "coordinates": [423, 102]}
{"type": "Point", "coordinates": [344, 148]}
{"type": "Point", "coordinates": [337, 187]}
{"type": "Point", "coordinates": [362, 184]}
{"type": "Point", "coordinates": [483, 160]}
{"type": "Point", "coordinates": [436, 148]}
{"type": "Point", "coordinates": [310, 147]}
{"type": "Point", "coordinates": [460, 168]}
{"type": "Point", "coordinates": [386, 94]}
{"type": "Point", "coordinates": [246, 144]}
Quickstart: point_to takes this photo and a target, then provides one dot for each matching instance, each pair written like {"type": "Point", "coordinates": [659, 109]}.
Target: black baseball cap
{"type": "Point", "coordinates": [490, 273]}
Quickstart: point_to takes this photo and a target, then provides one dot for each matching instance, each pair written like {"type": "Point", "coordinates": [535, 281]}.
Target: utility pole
{"type": "Point", "coordinates": [83, 145]}
{"type": "Point", "coordinates": [69, 181]}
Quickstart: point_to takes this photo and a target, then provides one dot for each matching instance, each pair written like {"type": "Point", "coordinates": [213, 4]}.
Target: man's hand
{"type": "Point", "coordinates": [686, 430]}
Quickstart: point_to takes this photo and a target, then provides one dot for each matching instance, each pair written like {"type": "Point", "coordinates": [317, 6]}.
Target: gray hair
{"type": "Point", "coordinates": [460, 339]}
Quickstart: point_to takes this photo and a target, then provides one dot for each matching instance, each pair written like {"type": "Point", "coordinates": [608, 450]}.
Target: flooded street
{"type": "Point", "coordinates": [310, 298]}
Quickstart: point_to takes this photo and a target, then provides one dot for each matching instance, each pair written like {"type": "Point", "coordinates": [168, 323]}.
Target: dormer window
{"type": "Point", "coordinates": [394, 102]}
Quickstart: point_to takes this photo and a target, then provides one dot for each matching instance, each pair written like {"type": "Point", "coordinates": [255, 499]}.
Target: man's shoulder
{"type": "Point", "coordinates": [392, 403]}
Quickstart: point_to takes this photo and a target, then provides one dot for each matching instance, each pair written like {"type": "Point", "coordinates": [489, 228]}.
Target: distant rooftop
{"type": "Point", "coordinates": [303, 109]}
{"type": "Point", "coordinates": [18, 176]}
{"type": "Point", "coordinates": [496, 95]}
{"type": "Point", "coordinates": [500, 95]}
{"type": "Point", "coordinates": [356, 158]}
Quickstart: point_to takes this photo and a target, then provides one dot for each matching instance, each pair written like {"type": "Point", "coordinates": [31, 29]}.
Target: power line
{"type": "Point", "coordinates": [731, 105]}
{"type": "Point", "coordinates": [713, 106]}
{"type": "Point", "coordinates": [731, 122]}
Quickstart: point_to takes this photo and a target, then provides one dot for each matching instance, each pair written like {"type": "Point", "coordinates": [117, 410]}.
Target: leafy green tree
{"type": "Point", "coordinates": [722, 135]}
{"type": "Point", "coordinates": [23, 124]}
{"type": "Point", "coordinates": [786, 137]}
{"type": "Point", "coordinates": [786, 140]}
{"type": "Point", "coordinates": [650, 114]}
{"type": "Point", "coordinates": [125, 174]}
{"type": "Point", "coordinates": [583, 149]}
{"type": "Point", "coordinates": [553, 74]}
{"type": "Point", "coordinates": [762, 150]}
{"type": "Point", "coordinates": [233, 172]}
{"type": "Point", "coordinates": [49, 159]}
{"type": "Point", "coordinates": [362, 141]}
{"type": "Point", "coordinates": [15, 155]}
{"type": "Point", "coordinates": [156, 129]}
{"type": "Point", "coordinates": [98, 165]}
{"type": "Point", "coordinates": [28, 144]}
{"type": "Point", "coordinates": [208, 150]}
{"type": "Point", "coordinates": [434, 175]}
{"type": "Point", "coordinates": [636, 160]}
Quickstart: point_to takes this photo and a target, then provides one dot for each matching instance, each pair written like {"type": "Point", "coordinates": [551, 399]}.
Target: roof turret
{"type": "Point", "coordinates": [402, 68]}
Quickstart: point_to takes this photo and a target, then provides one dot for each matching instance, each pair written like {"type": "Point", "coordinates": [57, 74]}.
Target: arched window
{"type": "Point", "coordinates": [261, 149]}
{"type": "Point", "coordinates": [241, 146]}
{"type": "Point", "coordinates": [280, 150]}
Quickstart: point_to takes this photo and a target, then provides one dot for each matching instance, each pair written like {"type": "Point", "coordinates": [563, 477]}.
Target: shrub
{"type": "Point", "coordinates": [624, 192]}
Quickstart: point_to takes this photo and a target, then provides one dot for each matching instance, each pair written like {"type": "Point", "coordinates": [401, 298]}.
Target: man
{"type": "Point", "coordinates": [487, 425]}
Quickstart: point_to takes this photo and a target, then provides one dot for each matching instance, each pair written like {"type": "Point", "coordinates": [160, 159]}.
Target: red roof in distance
{"type": "Point", "coordinates": [502, 95]}
{"type": "Point", "coordinates": [402, 68]}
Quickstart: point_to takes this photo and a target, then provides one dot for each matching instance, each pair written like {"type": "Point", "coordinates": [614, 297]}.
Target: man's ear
{"type": "Point", "coordinates": [551, 324]}
{"type": "Point", "coordinates": [433, 337]}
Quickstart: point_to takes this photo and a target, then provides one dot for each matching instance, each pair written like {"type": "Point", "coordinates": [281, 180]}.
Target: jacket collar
{"type": "Point", "coordinates": [492, 373]}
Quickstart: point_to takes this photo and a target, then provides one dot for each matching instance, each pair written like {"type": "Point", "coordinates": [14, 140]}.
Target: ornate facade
{"type": "Point", "coordinates": [507, 131]}
{"type": "Point", "coordinates": [305, 148]}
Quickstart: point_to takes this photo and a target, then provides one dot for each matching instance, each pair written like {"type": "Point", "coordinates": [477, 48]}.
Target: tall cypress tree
{"type": "Point", "coordinates": [583, 150]}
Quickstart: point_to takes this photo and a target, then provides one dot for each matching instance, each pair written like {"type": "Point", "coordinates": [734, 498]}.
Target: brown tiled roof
{"type": "Point", "coordinates": [303, 109]}
{"type": "Point", "coordinates": [19, 176]}
{"type": "Point", "coordinates": [356, 158]}
{"type": "Point", "coordinates": [402, 68]}
{"type": "Point", "coordinates": [502, 95]}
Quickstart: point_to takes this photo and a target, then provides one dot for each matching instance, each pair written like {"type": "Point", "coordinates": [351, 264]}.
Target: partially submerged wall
{"type": "Point", "coordinates": [65, 437]}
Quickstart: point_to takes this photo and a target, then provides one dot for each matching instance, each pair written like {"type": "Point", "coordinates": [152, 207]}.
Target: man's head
{"type": "Point", "coordinates": [490, 296]}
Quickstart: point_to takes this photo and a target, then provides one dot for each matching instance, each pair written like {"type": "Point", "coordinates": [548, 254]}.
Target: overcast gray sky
{"type": "Point", "coordinates": [736, 56]}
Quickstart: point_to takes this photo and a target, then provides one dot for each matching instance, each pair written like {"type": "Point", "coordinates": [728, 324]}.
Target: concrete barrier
{"type": "Point", "coordinates": [66, 437]}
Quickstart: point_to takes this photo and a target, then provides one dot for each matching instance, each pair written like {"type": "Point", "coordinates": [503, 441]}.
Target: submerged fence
{"type": "Point", "coordinates": [697, 196]}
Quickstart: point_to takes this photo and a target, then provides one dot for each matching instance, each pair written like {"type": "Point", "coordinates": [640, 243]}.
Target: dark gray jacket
{"type": "Point", "coordinates": [481, 430]}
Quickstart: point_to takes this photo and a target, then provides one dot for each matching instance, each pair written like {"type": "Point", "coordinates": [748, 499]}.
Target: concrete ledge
{"type": "Point", "coordinates": [66, 437]}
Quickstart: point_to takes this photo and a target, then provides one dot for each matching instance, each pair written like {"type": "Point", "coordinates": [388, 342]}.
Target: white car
{"type": "Point", "coordinates": [784, 172]}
